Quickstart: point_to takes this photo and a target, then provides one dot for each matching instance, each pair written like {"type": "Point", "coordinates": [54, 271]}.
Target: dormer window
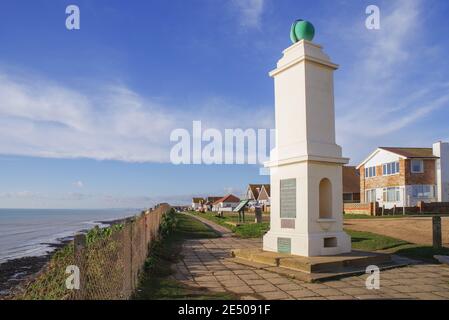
{"type": "Point", "coordinates": [417, 166]}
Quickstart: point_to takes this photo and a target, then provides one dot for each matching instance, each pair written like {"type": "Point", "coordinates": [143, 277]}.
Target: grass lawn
{"type": "Point", "coordinates": [372, 242]}
{"type": "Point", "coordinates": [155, 283]}
{"type": "Point", "coordinates": [247, 230]}
{"type": "Point", "coordinates": [397, 216]}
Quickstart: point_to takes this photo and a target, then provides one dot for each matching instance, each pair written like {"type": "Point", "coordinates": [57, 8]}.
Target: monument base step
{"type": "Point", "coordinates": [311, 269]}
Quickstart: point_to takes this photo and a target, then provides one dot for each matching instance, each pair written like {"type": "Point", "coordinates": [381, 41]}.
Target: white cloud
{"type": "Point", "coordinates": [78, 184]}
{"type": "Point", "coordinates": [43, 119]}
{"type": "Point", "coordinates": [250, 12]}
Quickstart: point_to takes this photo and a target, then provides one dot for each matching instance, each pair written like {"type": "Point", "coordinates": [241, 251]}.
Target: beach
{"type": "Point", "coordinates": [28, 238]}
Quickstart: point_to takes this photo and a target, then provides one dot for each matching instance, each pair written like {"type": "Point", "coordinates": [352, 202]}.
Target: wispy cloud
{"type": "Point", "coordinates": [43, 119]}
{"type": "Point", "coordinates": [78, 184]}
{"type": "Point", "coordinates": [250, 12]}
{"type": "Point", "coordinates": [387, 88]}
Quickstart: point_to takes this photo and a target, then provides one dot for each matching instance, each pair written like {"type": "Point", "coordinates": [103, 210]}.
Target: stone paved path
{"type": "Point", "coordinates": [207, 264]}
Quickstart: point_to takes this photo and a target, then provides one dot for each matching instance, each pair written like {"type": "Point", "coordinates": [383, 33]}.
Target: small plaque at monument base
{"type": "Point", "coordinates": [288, 223]}
{"type": "Point", "coordinates": [284, 245]}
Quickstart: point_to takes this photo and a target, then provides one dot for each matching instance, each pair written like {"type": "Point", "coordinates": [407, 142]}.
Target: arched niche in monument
{"type": "Point", "coordinates": [325, 194]}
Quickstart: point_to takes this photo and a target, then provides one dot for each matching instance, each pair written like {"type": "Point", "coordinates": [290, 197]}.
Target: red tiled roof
{"type": "Point", "coordinates": [228, 198]}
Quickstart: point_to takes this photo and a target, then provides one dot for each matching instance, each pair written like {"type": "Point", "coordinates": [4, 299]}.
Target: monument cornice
{"type": "Point", "coordinates": [296, 61]}
{"type": "Point", "coordinates": [306, 158]}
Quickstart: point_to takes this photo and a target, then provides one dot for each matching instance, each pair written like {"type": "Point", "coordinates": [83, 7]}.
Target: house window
{"type": "Point", "coordinates": [371, 195]}
{"type": "Point", "coordinates": [423, 191]}
{"type": "Point", "coordinates": [370, 172]}
{"type": "Point", "coordinates": [392, 194]}
{"type": "Point", "coordinates": [417, 166]}
{"type": "Point", "coordinates": [391, 168]}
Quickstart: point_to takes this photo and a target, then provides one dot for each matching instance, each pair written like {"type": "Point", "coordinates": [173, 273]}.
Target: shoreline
{"type": "Point", "coordinates": [16, 271]}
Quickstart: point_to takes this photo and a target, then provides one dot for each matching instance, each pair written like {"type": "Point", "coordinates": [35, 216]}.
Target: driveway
{"type": "Point", "coordinates": [413, 230]}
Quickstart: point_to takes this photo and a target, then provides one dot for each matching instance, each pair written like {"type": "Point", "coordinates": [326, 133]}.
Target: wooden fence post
{"type": "Point", "coordinates": [436, 230]}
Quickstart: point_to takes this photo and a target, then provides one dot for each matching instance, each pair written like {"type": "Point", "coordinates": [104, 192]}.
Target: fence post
{"type": "Point", "coordinates": [80, 261]}
{"type": "Point", "coordinates": [436, 230]}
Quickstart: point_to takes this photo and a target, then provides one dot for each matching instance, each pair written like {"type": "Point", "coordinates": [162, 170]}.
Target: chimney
{"type": "Point", "coordinates": [441, 150]}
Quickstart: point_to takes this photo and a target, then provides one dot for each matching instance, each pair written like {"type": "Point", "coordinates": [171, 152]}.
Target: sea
{"type": "Point", "coordinates": [31, 232]}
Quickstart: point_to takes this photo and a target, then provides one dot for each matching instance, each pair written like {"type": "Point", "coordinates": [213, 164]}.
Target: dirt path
{"type": "Point", "coordinates": [413, 230]}
{"type": "Point", "coordinates": [224, 232]}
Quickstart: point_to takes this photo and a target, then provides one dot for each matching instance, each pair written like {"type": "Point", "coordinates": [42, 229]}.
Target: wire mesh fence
{"type": "Point", "coordinates": [104, 264]}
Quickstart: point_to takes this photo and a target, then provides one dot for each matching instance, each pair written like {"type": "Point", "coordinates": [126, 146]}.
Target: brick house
{"type": "Point", "coordinates": [404, 176]}
{"type": "Point", "coordinates": [351, 184]}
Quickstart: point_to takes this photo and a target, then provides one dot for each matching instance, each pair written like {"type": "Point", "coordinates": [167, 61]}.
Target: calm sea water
{"type": "Point", "coordinates": [28, 232]}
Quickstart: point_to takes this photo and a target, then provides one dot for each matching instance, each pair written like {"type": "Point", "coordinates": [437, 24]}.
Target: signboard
{"type": "Point", "coordinates": [288, 198]}
{"type": "Point", "coordinates": [284, 245]}
{"type": "Point", "coordinates": [241, 205]}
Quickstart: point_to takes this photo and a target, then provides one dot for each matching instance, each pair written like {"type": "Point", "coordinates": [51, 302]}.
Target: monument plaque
{"type": "Point", "coordinates": [288, 198]}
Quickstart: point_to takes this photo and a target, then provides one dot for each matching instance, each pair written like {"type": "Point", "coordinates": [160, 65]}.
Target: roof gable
{"type": "Point", "coordinates": [228, 198]}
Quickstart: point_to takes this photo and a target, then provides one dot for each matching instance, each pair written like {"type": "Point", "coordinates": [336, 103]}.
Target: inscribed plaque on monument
{"type": "Point", "coordinates": [288, 198]}
{"type": "Point", "coordinates": [284, 245]}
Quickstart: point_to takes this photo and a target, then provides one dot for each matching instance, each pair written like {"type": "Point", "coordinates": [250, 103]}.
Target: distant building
{"type": "Point", "coordinates": [210, 201]}
{"type": "Point", "coordinates": [258, 193]}
{"type": "Point", "coordinates": [404, 176]}
{"type": "Point", "coordinates": [227, 203]}
{"type": "Point", "coordinates": [197, 203]}
{"type": "Point", "coordinates": [351, 184]}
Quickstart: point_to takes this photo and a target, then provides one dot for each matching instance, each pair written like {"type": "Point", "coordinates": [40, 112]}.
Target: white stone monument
{"type": "Point", "coordinates": [306, 165]}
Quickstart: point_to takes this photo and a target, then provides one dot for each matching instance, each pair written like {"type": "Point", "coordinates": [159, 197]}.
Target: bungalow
{"type": "Point", "coordinates": [209, 202]}
{"type": "Point", "coordinates": [396, 176]}
{"type": "Point", "coordinates": [227, 203]}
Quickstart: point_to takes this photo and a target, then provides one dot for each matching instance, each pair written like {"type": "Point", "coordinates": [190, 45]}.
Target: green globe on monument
{"type": "Point", "coordinates": [302, 29]}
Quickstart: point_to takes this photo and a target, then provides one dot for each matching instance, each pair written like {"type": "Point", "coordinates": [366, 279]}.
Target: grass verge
{"type": "Point", "coordinates": [156, 283]}
{"type": "Point", "coordinates": [245, 230]}
{"type": "Point", "coordinates": [372, 242]}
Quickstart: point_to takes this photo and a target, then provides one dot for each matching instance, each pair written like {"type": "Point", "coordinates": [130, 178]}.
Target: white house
{"type": "Point", "coordinates": [395, 176]}
{"type": "Point", "coordinates": [197, 203]}
{"type": "Point", "coordinates": [227, 203]}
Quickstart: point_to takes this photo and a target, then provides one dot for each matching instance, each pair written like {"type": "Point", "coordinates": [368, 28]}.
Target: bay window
{"type": "Point", "coordinates": [392, 194]}
{"type": "Point", "coordinates": [423, 191]}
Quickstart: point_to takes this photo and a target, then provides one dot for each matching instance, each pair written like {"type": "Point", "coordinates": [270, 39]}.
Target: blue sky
{"type": "Point", "coordinates": [86, 115]}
